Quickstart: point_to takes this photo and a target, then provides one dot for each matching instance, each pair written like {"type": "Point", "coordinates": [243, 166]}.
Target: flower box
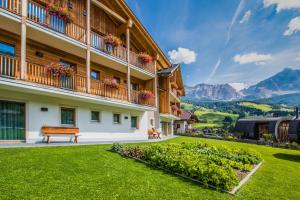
{"type": "Point", "coordinates": [146, 95]}
{"type": "Point", "coordinates": [59, 70]}
{"type": "Point", "coordinates": [145, 58]}
{"type": "Point", "coordinates": [61, 11]}
{"type": "Point", "coordinates": [111, 83]}
{"type": "Point", "coordinates": [111, 42]}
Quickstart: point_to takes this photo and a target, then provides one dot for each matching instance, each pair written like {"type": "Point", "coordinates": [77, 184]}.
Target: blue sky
{"type": "Point", "coordinates": [235, 41]}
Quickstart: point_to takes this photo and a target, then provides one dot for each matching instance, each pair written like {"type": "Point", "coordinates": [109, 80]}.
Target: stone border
{"type": "Point", "coordinates": [245, 179]}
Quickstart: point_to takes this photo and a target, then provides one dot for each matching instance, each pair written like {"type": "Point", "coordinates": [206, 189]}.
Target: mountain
{"type": "Point", "coordinates": [281, 86]}
{"type": "Point", "coordinates": [287, 99]}
{"type": "Point", "coordinates": [206, 92]}
{"type": "Point", "coordinates": [285, 82]}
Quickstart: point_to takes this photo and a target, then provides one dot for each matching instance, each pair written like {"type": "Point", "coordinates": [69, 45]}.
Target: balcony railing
{"type": "Point", "coordinates": [9, 67]}
{"type": "Point", "coordinates": [39, 74]}
{"type": "Point", "coordinates": [101, 89]}
{"type": "Point", "coordinates": [137, 99]}
{"type": "Point", "coordinates": [39, 14]}
{"type": "Point", "coordinates": [13, 6]}
{"type": "Point", "coordinates": [97, 41]}
{"type": "Point", "coordinates": [134, 60]}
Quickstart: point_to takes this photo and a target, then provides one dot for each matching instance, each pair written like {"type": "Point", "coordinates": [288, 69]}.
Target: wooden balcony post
{"type": "Point", "coordinates": [88, 45]}
{"type": "Point", "coordinates": [23, 40]}
{"type": "Point", "coordinates": [129, 25]}
{"type": "Point", "coordinates": [155, 81]}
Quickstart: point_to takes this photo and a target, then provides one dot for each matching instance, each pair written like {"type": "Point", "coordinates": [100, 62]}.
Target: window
{"type": "Point", "coordinates": [117, 79]}
{"type": "Point", "coordinates": [95, 116]}
{"type": "Point", "coordinates": [134, 86]}
{"type": "Point", "coordinates": [95, 75]}
{"type": "Point", "coordinates": [68, 116]}
{"type": "Point", "coordinates": [67, 64]}
{"type": "Point", "coordinates": [117, 118]}
{"type": "Point", "coordinates": [134, 122]}
{"type": "Point", "coordinates": [7, 49]}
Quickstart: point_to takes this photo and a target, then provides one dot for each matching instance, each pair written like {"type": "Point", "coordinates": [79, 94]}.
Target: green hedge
{"type": "Point", "coordinates": [210, 165]}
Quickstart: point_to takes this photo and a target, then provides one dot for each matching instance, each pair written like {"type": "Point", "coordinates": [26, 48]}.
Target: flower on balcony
{"type": "Point", "coordinates": [146, 94]}
{"type": "Point", "coordinates": [57, 70]}
{"type": "Point", "coordinates": [61, 11]}
{"type": "Point", "coordinates": [111, 83]}
{"type": "Point", "coordinates": [112, 40]}
{"type": "Point", "coordinates": [179, 112]}
{"type": "Point", "coordinates": [145, 58]}
{"type": "Point", "coordinates": [174, 108]}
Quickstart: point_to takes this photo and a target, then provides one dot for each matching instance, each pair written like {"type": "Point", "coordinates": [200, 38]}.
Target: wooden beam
{"type": "Point", "coordinates": [109, 11]}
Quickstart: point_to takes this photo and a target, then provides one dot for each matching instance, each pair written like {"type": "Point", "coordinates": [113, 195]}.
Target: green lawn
{"type": "Point", "coordinates": [93, 172]}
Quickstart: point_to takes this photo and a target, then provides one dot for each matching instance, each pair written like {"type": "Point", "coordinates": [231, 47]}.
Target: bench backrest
{"type": "Point", "coordinates": [60, 130]}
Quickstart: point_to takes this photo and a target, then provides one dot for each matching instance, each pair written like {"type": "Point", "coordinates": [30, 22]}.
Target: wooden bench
{"type": "Point", "coordinates": [60, 131]}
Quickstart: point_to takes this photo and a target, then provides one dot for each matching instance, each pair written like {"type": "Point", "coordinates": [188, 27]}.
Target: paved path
{"type": "Point", "coordinates": [56, 144]}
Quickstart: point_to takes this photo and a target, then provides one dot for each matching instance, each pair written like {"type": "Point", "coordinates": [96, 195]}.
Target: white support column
{"type": "Point", "coordinates": [155, 82]}
{"type": "Point", "coordinates": [129, 25]}
{"type": "Point", "coordinates": [172, 128]}
{"type": "Point", "coordinates": [23, 40]}
{"type": "Point", "coordinates": [88, 45]}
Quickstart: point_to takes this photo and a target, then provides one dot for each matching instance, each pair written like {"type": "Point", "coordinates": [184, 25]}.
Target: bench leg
{"type": "Point", "coordinates": [75, 139]}
{"type": "Point", "coordinates": [48, 139]}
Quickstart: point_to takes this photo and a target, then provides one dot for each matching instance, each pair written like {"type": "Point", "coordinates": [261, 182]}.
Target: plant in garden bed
{"type": "Point", "coordinates": [111, 42]}
{"type": "Point", "coordinates": [217, 167]}
{"type": "Point", "coordinates": [58, 70]}
{"type": "Point", "coordinates": [145, 58]}
{"type": "Point", "coordinates": [61, 11]}
{"type": "Point", "coordinates": [111, 83]}
{"type": "Point", "coordinates": [146, 95]}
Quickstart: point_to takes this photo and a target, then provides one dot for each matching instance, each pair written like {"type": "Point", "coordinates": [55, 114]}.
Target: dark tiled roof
{"type": "Point", "coordinates": [185, 115]}
{"type": "Point", "coordinates": [168, 70]}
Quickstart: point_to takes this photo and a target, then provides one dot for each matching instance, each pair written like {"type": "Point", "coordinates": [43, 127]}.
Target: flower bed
{"type": "Point", "coordinates": [218, 167]}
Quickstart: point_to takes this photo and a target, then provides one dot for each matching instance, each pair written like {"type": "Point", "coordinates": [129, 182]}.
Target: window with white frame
{"type": "Point", "coordinates": [95, 116]}
{"type": "Point", "coordinates": [117, 118]}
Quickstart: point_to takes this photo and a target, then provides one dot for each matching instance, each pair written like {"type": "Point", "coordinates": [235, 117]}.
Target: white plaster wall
{"type": "Point", "coordinates": [89, 131]}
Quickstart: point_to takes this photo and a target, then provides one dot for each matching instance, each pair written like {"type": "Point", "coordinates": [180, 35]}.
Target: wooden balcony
{"type": "Point", "coordinates": [35, 73]}
{"type": "Point", "coordinates": [136, 97]}
{"type": "Point", "coordinates": [39, 14]}
{"type": "Point", "coordinates": [13, 6]}
{"type": "Point", "coordinates": [134, 60]}
{"type": "Point", "coordinates": [97, 42]}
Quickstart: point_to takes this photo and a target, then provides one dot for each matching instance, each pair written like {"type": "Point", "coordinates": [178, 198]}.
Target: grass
{"type": "Point", "coordinates": [93, 172]}
{"type": "Point", "coordinates": [207, 125]}
{"type": "Point", "coordinates": [262, 107]}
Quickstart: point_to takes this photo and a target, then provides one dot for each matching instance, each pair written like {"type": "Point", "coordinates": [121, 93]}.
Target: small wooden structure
{"type": "Point", "coordinates": [255, 128]}
{"type": "Point", "coordinates": [60, 131]}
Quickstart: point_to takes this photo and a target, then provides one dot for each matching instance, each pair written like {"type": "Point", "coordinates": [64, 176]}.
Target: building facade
{"type": "Point", "coordinates": [75, 63]}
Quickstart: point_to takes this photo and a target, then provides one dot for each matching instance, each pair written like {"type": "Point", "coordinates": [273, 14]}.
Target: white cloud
{"type": "Point", "coordinates": [182, 55]}
{"type": "Point", "coordinates": [283, 4]}
{"type": "Point", "coordinates": [213, 72]}
{"type": "Point", "coordinates": [246, 17]}
{"type": "Point", "coordinates": [258, 59]}
{"type": "Point", "coordinates": [293, 26]}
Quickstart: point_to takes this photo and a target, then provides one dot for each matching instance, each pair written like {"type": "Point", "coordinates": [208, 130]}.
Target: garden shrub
{"type": "Point", "coordinates": [215, 166]}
